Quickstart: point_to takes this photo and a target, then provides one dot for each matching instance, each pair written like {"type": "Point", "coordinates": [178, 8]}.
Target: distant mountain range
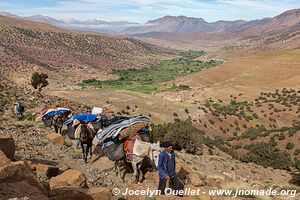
{"type": "Point", "coordinates": [289, 20]}
{"type": "Point", "coordinates": [97, 25]}
{"type": "Point", "coordinates": [181, 28]}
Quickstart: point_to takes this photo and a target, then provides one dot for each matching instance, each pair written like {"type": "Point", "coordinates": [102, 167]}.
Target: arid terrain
{"type": "Point", "coordinates": [242, 92]}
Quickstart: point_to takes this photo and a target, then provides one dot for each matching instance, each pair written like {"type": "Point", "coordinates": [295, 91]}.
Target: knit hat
{"type": "Point", "coordinates": [168, 144]}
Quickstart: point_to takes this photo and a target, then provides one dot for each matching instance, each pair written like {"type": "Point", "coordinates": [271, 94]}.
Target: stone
{"type": "Point", "coordinates": [75, 193]}
{"type": "Point", "coordinates": [100, 193]}
{"type": "Point", "coordinates": [70, 177]}
{"type": "Point", "coordinates": [7, 145]}
{"type": "Point", "coordinates": [3, 159]}
{"type": "Point", "coordinates": [18, 180]}
{"type": "Point", "coordinates": [103, 164]}
{"type": "Point", "coordinates": [49, 170]}
{"type": "Point", "coordinates": [56, 138]}
{"type": "Point", "coordinates": [70, 193]}
{"type": "Point", "coordinates": [63, 167]}
{"type": "Point", "coordinates": [196, 180]}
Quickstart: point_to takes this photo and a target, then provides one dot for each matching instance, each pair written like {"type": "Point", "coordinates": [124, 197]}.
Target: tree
{"type": "Point", "coordinates": [39, 80]}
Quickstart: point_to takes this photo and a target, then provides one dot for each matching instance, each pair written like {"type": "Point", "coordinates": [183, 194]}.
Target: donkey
{"type": "Point", "coordinates": [85, 136]}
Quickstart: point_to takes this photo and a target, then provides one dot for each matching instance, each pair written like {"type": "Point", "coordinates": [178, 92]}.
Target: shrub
{"type": "Point", "coordinates": [182, 133]}
{"type": "Point", "coordinates": [267, 155]}
{"type": "Point", "coordinates": [255, 115]}
{"type": "Point", "coordinates": [297, 164]}
{"type": "Point", "coordinates": [230, 138]}
{"type": "Point", "coordinates": [39, 80]}
{"type": "Point", "coordinates": [252, 133]}
{"type": "Point", "coordinates": [289, 145]}
{"type": "Point", "coordinates": [42, 176]}
{"type": "Point", "coordinates": [281, 136]}
{"type": "Point", "coordinates": [297, 152]}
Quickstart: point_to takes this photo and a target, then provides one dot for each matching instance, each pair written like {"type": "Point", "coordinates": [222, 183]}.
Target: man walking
{"type": "Point", "coordinates": [19, 110]}
{"type": "Point", "coordinates": [167, 169]}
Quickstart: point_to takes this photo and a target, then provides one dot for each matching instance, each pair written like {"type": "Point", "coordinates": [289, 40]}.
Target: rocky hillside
{"type": "Point", "coordinates": [37, 164]}
{"type": "Point", "coordinates": [28, 46]}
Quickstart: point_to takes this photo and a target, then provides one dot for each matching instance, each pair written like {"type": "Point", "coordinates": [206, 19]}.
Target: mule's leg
{"type": "Point", "coordinates": [119, 170]}
{"type": "Point", "coordinates": [87, 151]}
{"type": "Point", "coordinates": [135, 172]}
{"type": "Point", "coordinates": [116, 167]}
{"type": "Point", "coordinates": [55, 128]}
{"type": "Point", "coordinates": [140, 173]}
{"type": "Point", "coordinates": [125, 170]}
{"type": "Point", "coordinates": [91, 148]}
{"type": "Point", "coordinates": [83, 151]}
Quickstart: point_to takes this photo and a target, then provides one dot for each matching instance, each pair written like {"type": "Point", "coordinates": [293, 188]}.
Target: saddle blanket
{"type": "Point", "coordinates": [128, 146]}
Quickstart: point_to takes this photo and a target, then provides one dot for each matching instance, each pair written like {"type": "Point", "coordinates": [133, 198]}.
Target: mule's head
{"type": "Point", "coordinates": [84, 134]}
{"type": "Point", "coordinates": [155, 153]}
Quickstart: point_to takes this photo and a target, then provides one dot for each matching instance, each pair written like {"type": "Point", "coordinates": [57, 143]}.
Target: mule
{"type": "Point", "coordinates": [140, 151]}
{"type": "Point", "coordinates": [85, 136]}
{"type": "Point", "coordinates": [97, 125]}
{"type": "Point", "coordinates": [115, 152]}
{"type": "Point", "coordinates": [58, 122]}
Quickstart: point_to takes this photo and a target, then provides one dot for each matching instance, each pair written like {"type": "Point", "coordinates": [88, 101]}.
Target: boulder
{"type": "Point", "coordinates": [70, 177]}
{"type": "Point", "coordinates": [196, 180]}
{"type": "Point", "coordinates": [100, 193]}
{"type": "Point", "coordinates": [70, 193]}
{"type": "Point", "coordinates": [103, 164]}
{"type": "Point", "coordinates": [7, 145]}
{"type": "Point", "coordinates": [75, 193]}
{"type": "Point", "coordinates": [17, 180]}
{"type": "Point", "coordinates": [49, 170]}
{"type": "Point", "coordinates": [3, 159]}
{"type": "Point", "coordinates": [56, 138]}
{"type": "Point", "coordinates": [214, 180]}
{"type": "Point", "coordinates": [62, 168]}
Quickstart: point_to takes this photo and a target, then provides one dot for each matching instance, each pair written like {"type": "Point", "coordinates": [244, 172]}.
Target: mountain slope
{"type": "Point", "coordinates": [279, 32]}
{"type": "Point", "coordinates": [182, 24]}
{"type": "Point", "coordinates": [289, 20]}
{"type": "Point", "coordinates": [28, 45]}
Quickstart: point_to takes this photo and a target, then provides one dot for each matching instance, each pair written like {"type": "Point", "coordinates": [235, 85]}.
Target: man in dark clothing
{"type": "Point", "coordinates": [167, 169]}
{"type": "Point", "coordinates": [19, 110]}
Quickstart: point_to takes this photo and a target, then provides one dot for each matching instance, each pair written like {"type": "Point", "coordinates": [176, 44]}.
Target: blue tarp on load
{"type": "Point", "coordinates": [55, 113]}
{"type": "Point", "coordinates": [83, 118]}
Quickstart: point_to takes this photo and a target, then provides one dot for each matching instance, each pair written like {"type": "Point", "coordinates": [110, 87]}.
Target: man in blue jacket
{"type": "Point", "coordinates": [167, 168]}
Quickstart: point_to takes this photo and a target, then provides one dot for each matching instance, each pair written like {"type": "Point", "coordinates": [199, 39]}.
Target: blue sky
{"type": "Point", "coordinates": [144, 10]}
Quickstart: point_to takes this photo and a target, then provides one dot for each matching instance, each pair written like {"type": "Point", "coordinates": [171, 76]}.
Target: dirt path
{"type": "Point", "coordinates": [161, 110]}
